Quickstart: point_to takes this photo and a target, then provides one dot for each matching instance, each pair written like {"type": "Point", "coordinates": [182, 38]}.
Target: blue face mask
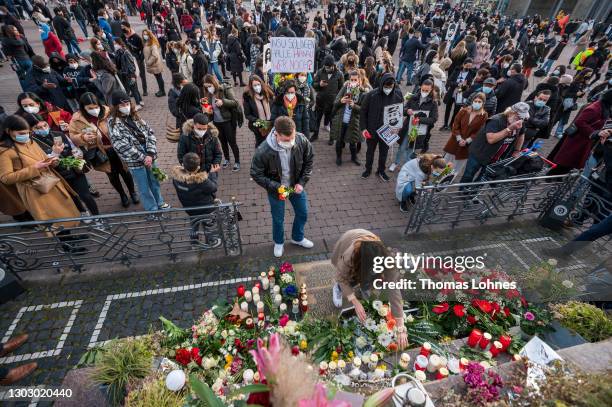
{"type": "Point", "coordinates": [41, 132]}
{"type": "Point", "coordinates": [539, 103]}
{"type": "Point", "coordinates": [476, 105]}
{"type": "Point", "coordinates": [22, 138]}
{"type": "Point", "coordinates": [435, 173]}
{"type": "Point", "coordinates": [487, 90]}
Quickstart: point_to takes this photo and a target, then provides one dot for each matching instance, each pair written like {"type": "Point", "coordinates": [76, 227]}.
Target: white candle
{"type": "Point", "coordinates": [255, 290]}
{"type": "Point", "coordinates": [405, 357]}
{"type": "Point", "coordinates": [357, 361]}
{"type": "Point", "coordinates": [278, 299]}
{"type": "Point", "coordinates": [256, 298]}
{"type": "Point", "coordinates": [276, 289]}
{"type": "Point", "coordinates": [248, 296]}
{"type": "Point", "coordinates": [373, 361]}
{"type": "Point", "coordinates": [283, 308]}
{"type": "Point", "coordinates": [265, 283]}
{"type": "Point", "coordinates": [260, 306]}
{"type": "Point", "coordinates": [341, 364]}
{"type": "Point", "coordinates": [296, 306]}
{"type": "Point", "coordinates": [244, 306]}
{"type": "Point", "coordinates": [248, 376]}
{"type": "Point", "coordinates": [434, 363]}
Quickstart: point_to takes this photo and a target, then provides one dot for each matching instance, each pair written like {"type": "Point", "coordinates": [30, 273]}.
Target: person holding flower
{"type": "Point", "coordinates": [290, 103]}
{"type": "Point", "coordinates": [414, 174]}
{"type": "Point", "coordinates": [257, 102]}
{"type": "Point", "coordinates": [285, 161]}
{"type": "Point", "coordinates": [345, 121]}
{"type": "Point", "coordinates": [353, 258]}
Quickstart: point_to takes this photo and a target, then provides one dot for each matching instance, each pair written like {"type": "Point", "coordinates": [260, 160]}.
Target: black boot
{"type": "Point", "coordinates": [338, 160]}
{"type": "Point", "coordinates": [135, 199]}
{"type": "Point", "coordinates": [125, 202]}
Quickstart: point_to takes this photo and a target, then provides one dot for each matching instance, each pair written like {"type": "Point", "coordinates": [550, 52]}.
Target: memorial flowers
{"type": "Point", "coordinates": [284, 192]}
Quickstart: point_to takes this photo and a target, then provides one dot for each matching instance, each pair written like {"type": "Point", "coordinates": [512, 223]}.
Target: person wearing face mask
{"type": "Point", "coordinates": [64, 31]}
{"type": "Point", "coordinates": [104, 25]}
{"type": "Point", "coordinates": [185, 60]}
{"type": "Point", "coordinates": [178, 82]}
{"type": "Point", "coordinates": [115, 25]}
{"type": "Point", "coordinates": [226, 114]}
{"type": "Point", "coordinates": [371, 118]}
{"type": "Point", "coordinates": [89, 131]}
{"type": "Point", "coordinates": [466, 126]}
{"type": "Point", "coordinates": [533, 55]}
{"type": "Point", "coordinates": [172, 55]}
{"type": "Point", "coordinates": [103, 76]}
{"type": "Point", "coordinates": [555, 54]}
{"type": "Point", "coordinates": [21, 161]}
{"type": "Point", "coordinates": [257, 102]}
{"type": "Point", "coordinates": [200, 63]}
{"type": "Point", "coordinates": [127, 71]}
{"type": "Point", "coordinates": [235, 57]}
{"type": "Point", "coordinates": [327, 82]}
{"type": "Point", "coordinates": [501, 136]}
{"type": "Point", "coordinates": [499, 69]}
{"type": "Point", "coordinates": [305, 89]}
{"type": "Point", "coordinates": [487, 87]}
{"type": "Point", "coordinates": [135, 144]}
{"type": "Point", "coordinates": [202, 138]}
{"type": "Point", "coordinates": [153, 60]}
{"type": "Point", "coordinates": [78, 85]}
{"type": "Point", "coordinates": [30, 103]}
{"type": "Point", "coordinates": [47, 83]}
{"type": "Point", "coordinates": [539, 118]}
{"type": "Point", "coordinates": [345, 122]}
{"type": "Point", "coordinates": [50, 41]}
{"type": "Point", "coordinates": [135, 45]}
{"type": "Point", "coordinates": [458, 82]}
{"type": "Point", "coordinates": [290, 103]}
{"type": "Point", "coordinates": [285, 159]}
{"type": "Point", "coordinates": [511, 90]}
{"type": "Point", "coordinates": [414, 174]}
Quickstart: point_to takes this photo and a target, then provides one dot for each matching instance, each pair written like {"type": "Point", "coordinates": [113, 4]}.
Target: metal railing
{"type": "Point", "coordinates": [481, 201]}
{"type": "Point", "coordinates": [119, 239]}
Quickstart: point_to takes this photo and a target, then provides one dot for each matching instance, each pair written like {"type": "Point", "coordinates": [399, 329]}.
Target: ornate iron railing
{"type": "Point", "coordinates": [481, 201]}
{"type": "Point", "coordinates": [122, 238]}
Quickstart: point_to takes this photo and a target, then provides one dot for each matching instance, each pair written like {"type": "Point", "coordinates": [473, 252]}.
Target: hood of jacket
{"type": "Point", "coordinates": [385, 77]}
{"type": "Point", "coordinates": [179, 174]}
{"type": "Point", "coordinates": [188, 128]}
{"type": "Point", "coordinates": [45, 29]}
{"type": "Point", "coordinates": [271, 140]}
{"type": "Point", "coordinates": [518, 78]}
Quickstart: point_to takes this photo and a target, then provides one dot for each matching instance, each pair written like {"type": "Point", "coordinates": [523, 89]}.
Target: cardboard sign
{"type": "Point", "coordinates": [292, 54]}
{"type": "Point", "coordinates": [387, 134]}
{"type": "Point", "coordinates": [392, 115]}
{"type": "Point", "coordinates": [267, 58]}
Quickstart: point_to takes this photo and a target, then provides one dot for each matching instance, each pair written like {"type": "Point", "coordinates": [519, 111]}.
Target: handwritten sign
{"type": "Point", "coordinates": [292, 54]}
{"type": "Point", "coordinates": [267, 58]}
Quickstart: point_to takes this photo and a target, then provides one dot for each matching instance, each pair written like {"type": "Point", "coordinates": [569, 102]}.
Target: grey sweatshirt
{"type": "Point", "coordinates": [285, 158]}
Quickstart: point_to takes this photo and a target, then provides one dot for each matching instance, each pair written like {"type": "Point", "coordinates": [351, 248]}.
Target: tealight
{"type": "Point", "coordinates": [278, 299]}
{"type": "Point", "coordinates": [282, 308]}
{"type": "Point", "coordinates": [265, 283]}
{"type": "Point", "coordinates": [357, 361]}
{"type": "Point", "coordinates": [434, 363]}
{"type": "Point", "coordinates": [341, 364]}
{"type": "Point", "coordinates": [420, 375]}
{"type": "Point", "coordinates": [379, 373]}
{"type": "Point", "coordinates": [260, 306]}
{"type": "Point", "coordinates": [244, 306]}
{"type": "Point", "coordinates": [256, 298]}
{"type": "Point", "coordinates": [248, 296]}
{"type": "Point", "coordinates": [276, 289]}
{"type": "Point", "coordinates": [255, 290]}
{"type": "Point", "coordinates": [405, 357]}
{"type": "Point", "coordinates": [332, 366]}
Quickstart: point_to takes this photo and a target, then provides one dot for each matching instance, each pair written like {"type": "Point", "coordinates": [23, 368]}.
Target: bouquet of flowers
{"type": "Point", "coordinates": [280, 78]}
{"type": "Point", "coordinates": [414, 130]}
{"type": "Point", "coordinates": [72, 163]}
{"type": "Point", "coordinates": [285, 192]}
{"type": "Point", "coordinates": [159, 175]}
{"type": "Point", "coordinates": [263, 124]}
{"type": "Point", "coordinates": [446, 171]}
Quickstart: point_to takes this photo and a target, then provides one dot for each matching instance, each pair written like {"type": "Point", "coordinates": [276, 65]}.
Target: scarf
{"type": "Point", "coordinates": [290, 106]}
{"type": "Point", "coordinates": [263, 107]}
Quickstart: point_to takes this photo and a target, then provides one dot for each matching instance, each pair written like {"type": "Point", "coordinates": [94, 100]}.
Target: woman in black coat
{"type": "Point", "coordinates": [257, 102]}
{"type": "Point", "coordinates": [236, 58]}
{"type": "Point", "coordinates": [188, 103]}
{"type": "Point", "coordinates": [290, 103]}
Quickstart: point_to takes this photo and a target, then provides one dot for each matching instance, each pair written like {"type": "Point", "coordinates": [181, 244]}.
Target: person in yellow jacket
{"type": "Point", "coordinates": [581, 57]}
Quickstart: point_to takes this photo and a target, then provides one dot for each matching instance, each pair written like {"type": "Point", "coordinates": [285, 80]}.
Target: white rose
{"type": "Point", "coordinates": [410, 318]}
{"type": "Point", "coordinates": [377, 304]}
{"type": "Point", "coordinates": [232, 332]}
{"type": "Point", "coordinates": [224, 334]}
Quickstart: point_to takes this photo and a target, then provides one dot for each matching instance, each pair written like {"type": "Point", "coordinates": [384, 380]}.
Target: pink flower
{"type": "Point", "coordinates": [267, 359]}
{"type": "Point", "coordinates": [282, 321]}
{"type": "Point", "coordinates": [320, 399]}
{"type": "Point", "coordinates": [529, 316]}
{"type": "Point", "coordinates": [286, 267]}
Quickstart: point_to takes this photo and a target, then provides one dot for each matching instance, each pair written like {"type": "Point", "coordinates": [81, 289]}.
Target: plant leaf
{"type": "Point", "coordinates": [251, 388]}
{"type": "Point", "coordinates": [204, 392]}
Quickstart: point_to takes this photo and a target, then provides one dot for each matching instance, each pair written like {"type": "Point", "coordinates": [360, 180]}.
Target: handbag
{"type": "Point", "coordinates": [45, 182]}
{"type": "Point", "coordinates": [172, 133]}
{"type": "Point", "coordinates": [95, 157]}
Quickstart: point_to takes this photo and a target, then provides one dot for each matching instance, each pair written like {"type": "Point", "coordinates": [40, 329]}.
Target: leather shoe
{"type": "Point", "coordinates": [135, 199]}
{"type": "Point", "coordinates": [18, 373]}
{"type": "Point", "coordinates": [13, 344]}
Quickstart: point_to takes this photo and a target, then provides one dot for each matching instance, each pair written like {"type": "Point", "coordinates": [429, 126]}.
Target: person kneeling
{"type": "Point", "coordinates": [195, 188]}
{"type": "Point", "coordinates": [414, 174]}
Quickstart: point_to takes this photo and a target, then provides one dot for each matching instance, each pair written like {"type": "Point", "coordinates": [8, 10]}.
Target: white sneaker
{"type": "Point", "coordinates": [392, 167]}
{"type": "Point", "coordinates": [85, 215]}
{"type": "Point", "coordinates": [138, 108]}
{"type": "Point", "coordinates": [327, 128]}
{"type": "Point", "coordinates": [278, 250]}
{"type": "Point", "coordinates": [305, 243]}
{"type": "Point", "coordinates": [337, 295]}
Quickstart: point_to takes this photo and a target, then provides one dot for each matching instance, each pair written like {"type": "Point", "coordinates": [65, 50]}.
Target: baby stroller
{"type": "Point", "coordinates": [528, 164]}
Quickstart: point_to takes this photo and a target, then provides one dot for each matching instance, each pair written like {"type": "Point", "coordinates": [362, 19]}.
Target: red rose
{"type": "Point", "coordinates": [295, 350]}
{"type": "Point", "coordinates": [283, 320]}
{"type": "Point", "coordinates": [471, 319]}
{"type": "Point", "coordinates": [496, 307]}
{"type": "Point", "coordinates": [182, 356]}
{"type": "Point", "coordinates": [484, 306]}
{"type": "Point", "coordinates": [440, 308]}
{"type": "Point", "coordinates": [261, 399]}
{"type": "Point", "coordinates": [507, 311]}
{"type": "Point", "coordinates": [459, 310]}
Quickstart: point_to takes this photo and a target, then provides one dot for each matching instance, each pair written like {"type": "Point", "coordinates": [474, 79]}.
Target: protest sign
{"type": "Point", "coordinates": [292, 54]}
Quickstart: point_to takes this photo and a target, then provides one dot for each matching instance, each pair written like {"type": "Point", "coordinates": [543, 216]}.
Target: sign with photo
{"type": "Point", "coordinates": [392, 115]}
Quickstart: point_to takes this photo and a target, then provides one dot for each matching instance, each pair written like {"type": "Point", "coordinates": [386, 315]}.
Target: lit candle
{"type": "Point", "coordinates": [250, 323]}
{"type": "Point", "coordinates": [505, 340]}
{"type": "Point", "coordinates": [256, 290]}
{"type": "Point", "coordinates": [304, 306]}
{"type": "Point", "coordinates": [379, 373]}
{"type": "Point", "coordinates": [516, 357]}
{"type": "Point", "coordinates": [463, 363]}
{"type": "Point", "coordinates": [442, 373]}
{"type": "Point", "coordinates": [420, 376]}
{"type": "Point", "coordinates": [261, 316]}
{"type": "Point", "coordinates": [416, 397]}
{"type": "Point", "coordinates": [256, 298]}
{"type": "Point", "coordinates": [271, 277]}
{"type": "Point", "coordinates": [341, 364]}
{"type": "Point", "coordinates": [495, 348]}
{"type": "Point", "coordinates": [278, 299]}
{"type": "Point", "coordinates": [373, 361]}
{"type": "Point", "coordinates": [357, 361]}
{"type": "Point", "coordinates": [282, 308]}
{"type": "Point", "coordinates": [304, 297]}
{"type": "Point", "coordinates": [276, 289]}
{"type": "Point", "coordinates": [296, 306]}
{"type": "Point", "coordinates": [474, 338]}
{"type": "Point", "coordinates": [265, 283]}
{"type": "Point", "coordinates": [240, 290]}
{"type": "Point", "coordinates": [323, 367]}
{"type": "Point", "coordinates": [248, 296]}
{"type": "Point", "coordinates": [260, 306]}
{"type": "Point", "coordinates": [262, 276]}
{"type": "Point", "coordinates": [420, 363]}
{"type": "Point", "coordinates": [434, 363]}
{"type": "Point", "coordinates": [332, 366]}
{"type": "Point", "coordinates": [244, 306]}
{"type": "Point", "coordinates": [405, 357]}
{"type": "Point", "coordinates": [484, 341]}
{"type": "Point", "coordinates": [425, 349]}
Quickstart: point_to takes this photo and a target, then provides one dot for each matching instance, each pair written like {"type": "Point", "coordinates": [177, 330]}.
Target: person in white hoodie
{"type": "Point", "coordinates": [414, 174]}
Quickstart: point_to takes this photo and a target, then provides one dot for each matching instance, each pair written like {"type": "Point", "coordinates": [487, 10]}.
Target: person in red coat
{"type": "Point", "coordinates": [573, 151]}
{"type": "Point", "coordinates": [50, 41]}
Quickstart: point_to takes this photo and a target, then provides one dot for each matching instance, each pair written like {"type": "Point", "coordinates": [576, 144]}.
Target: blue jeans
{"type": "Point", "coordinates": [472, 167]}
{"type": "Point", "coordinates": [277, 208]}
{"type": "Point", "coordinates": [214, 67]}
{"type": "Point", "coordinates": [73, 47]}
{"type": "Point", "coordinates": [408, 66]}
{"type": "Point", "coordinates": [560, 125]}
{"type": "Point", "coordinates": [403, 151]}
{"type": "Point", "coordinates": [148, 188]}
{"type": "Point", "coordinates": [547, 64]}
{"type": "Point", "coordinates": [83, 25]}
{"type": "Point", "coordinates": [408, 191]}
{"type": "Point", "coordinates": [596, 231]}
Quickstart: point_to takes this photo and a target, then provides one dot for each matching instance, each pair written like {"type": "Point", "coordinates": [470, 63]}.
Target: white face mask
{"type": "Point", "coordinates": [94, 112]}
{"type": "Point", "coordinates": [32, 109]}
{"type": "Point", "coordinates": [508, 72]}
{"type": "Point", "coordinates": [125, 109]}
{"type": "Point", "coordinates": [100, 47]}
{"type": "Point", "coordinates": [287, 145]}
{"type": "Point", "coordinates": [257, 88]}
{"type": "Point", "coordinates": [145, 37]}
{"type": "Point", "coordinates": [302, 79]}
{"type": "Point", "coordinates": [73, 65]}
{"type": "Point", "coordinates": [199, 133]}
{"type": "Point", "coordinates": [211, 89]}
{"type": "Point", "coordinates": [46, 69]}
{"type": "Point", "coordinates": [505, 66]}
{"type": "Point", "coordinates": [290, 96]}
{"type": "Point", "coordinates": [424, 95]}
{"type": "Point", "coordinates": [387, 91]}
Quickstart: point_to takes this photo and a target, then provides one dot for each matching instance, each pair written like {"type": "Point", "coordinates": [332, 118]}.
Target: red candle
{"type": "Point", "coordinates": [425, 349]}
{"type": "Point", "coordinates": [505, 340]}
{"type": "Point", "coordinates": [463, 363]}
{"type": "Point", "coordinates": [442, 373]}
{"type": "Point", "coordinates": [495, 348]}
{"type": "Point", "coordinates": [484, 341]}
{"type": "Point", "coordinates": [474, 338]}
{"type": "Point", "coordinates": [261, 316]}
{"type": "Point", "coordinates": [304, 306]}
{"type": "Point", "coordinates": [249, 323]}
{"type": "Point", "coordinates": [420, 363]}
{"type": "Point", "coordinates": [240, 290]}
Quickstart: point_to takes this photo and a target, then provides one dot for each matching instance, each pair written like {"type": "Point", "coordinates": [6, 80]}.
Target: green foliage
{"type": "Point", "coordinates": [548, 283]}
{"type": "Point", "coordinates": [155, 394]}
{"type": "Point", "coordinates": [159, 174]}
{"type": "Point", "coordinates": [590, 322]}
{"type": "Point", "coordinates": [541, 322]}
{"type": "Point", "coordinates": [90, 357]}
{"type": "Point", "coordinates": [121, 361]}
{"type": "Point", "coordinates": [173, 334]}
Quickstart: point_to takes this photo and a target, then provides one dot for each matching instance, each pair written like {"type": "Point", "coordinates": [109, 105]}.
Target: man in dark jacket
{"type": "Point", "coordinates": [327, 82]}
{"type": "Point", "coordinates": [126, 69]}
{"type": "Point", "coordinates": [372, 118]}
{"type": "Point", "coordinates": [64, 31]}
{"type": "Point", "coordinates": [284, 30]}
{"type": "Point", "coordinates": [458, 82]}
{"type": "Point", "coordinates": [136, 47]}
{"type": "Point", "coordinates": [200, 63]}
{"type": "Point", "coordinates": [407, 55]}
{"type": "Point", "coordinates": [79, 15]}
{"type": "Point", "coordinates": [47, 83]}
{"type": "Point", "coordinates": [285, 159]}
{"type": "Point", "coordinates": [201, 137]}
{"type": "Point", "coordinates": [539, 118]}
{"type": "Point", "coordinates": [511, 89]}
{"type": "Point", "coordinates": [195, 187]}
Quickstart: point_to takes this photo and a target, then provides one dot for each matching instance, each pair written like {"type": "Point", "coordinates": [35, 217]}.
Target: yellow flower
{"type": "Point", "coordinates": [303, 344]}
{"type": "Point", "coordinates": [382, 367]}
{"type": "Point", "coordinates": [281, 189]}
{"type": "Point", "coordinates": [334, 356]}
{"type": "Point", "coordinates": [229, 359]}
{"type": "Point", "coordinates": [351, 354]}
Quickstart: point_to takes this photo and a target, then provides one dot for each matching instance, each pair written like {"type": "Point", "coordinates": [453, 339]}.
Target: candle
{"type": "Point", "coordinates": [357, 361]}
{"type": "Point", "coordinates": [278, 299]}
{"type": "Point", "coordinates": [420, 376]}
{"type": "Point", "coordinates": [332, 366]}
{"type": "Point", "coordinates": [249, 323]}
{"type": "Point", "coordinates": [484, 341]}
{"type": "Point", "coordinates": [516, 357]}
{"type": "Point", "coordinates": [495, 348]}
{"type": "Point", "coordinates": [256, 289]}
{"type": "Point", "coordinates": [404, 364]}
{"type": "Point", "coordinates": [373, 361]}
{"type": "Point", "coordinates": [271, 277]}
{"type": "Point", "coordinates": [240, 290]}
{"type": "Point", "coordinates": [416, 397]}
{"type": "Point", "coordinates": [304, 306]}
{"type": "Point", "coordinates": [366, 358]}
{"type": "Point", "coordinates": [405, 357]}
{"type": "Point", "coordinates": [244, 306]}
{"type": "Point", "coordinates": [260, 306]}
{"type": "Point", "coordinates": [463, 363]}
{"type": "Point", "coordinates": [256, 298]}
{"type": "Point", "coordinates": [443, 361]}
{"type": "Point", "coordinates": [265, 283]}
{"type": "Point", "coordinates": [442, 373]}
{"type": "Point", "coordinates": [296, 306]}
{"type": "Point", "coordinates": [425, 349]}
{"type": "Point", "coordinates": [248, 296]}
{"type": "Point", "coordinates": [262, 276]}
{"type": "Point", "coordinates": [276, 289]}
{"type": "Point", "coordinates": [454, 366]}
{"type": "Point", "coordinates": [323, 367]}
{"type": "Point", "coordinates": [303, 286]}
{"type": "Point", "coordinates": [282, 308]}
{"type": "Point", "coordinates": [420, 363]}
{"type": "Point", "coordinates": [474, 338]}
{"type": "Point", "coordinates": [304, 297]}
{"type": "Point", "coordinates": [261, 316]}
{"type": "Point", "coordinates": [248, 376]}
{"type": "Point", "coordinates": [341, 364]}
{"type": "Point", "coordinates": [434, 363]}
{"type": "Point", "coordinates": [505, 340]}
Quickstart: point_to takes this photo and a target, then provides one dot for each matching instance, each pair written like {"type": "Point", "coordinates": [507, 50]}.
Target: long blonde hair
{"type": "Point", "coordinates": [459, 50]}
{"type": "Point", "coordinates": [152, 41]}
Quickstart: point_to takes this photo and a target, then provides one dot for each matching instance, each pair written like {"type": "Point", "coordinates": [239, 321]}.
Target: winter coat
{"type": "Point", "coordinates": [53, 44]}
{"type": "Point", "coordinates": [409, 173]}
{"type": "Point", "coordinates": [575, 150]}
{"type": "Point", "coordinates": [510, 91]}
{"type": "Point", "coordinates": [537, 124]}
{"type": "Point", "coordinates": [10, 204]}
{"type": "Point", "coordinates": [250, 111]}
{"type": "Point", "coordinates": [153, 59]}
{"type": "Point", "coordinates": [172, 61]}
{"type": "Point", "coordinates": [127, 146]}
{"type": "Point", "coordinates": [466, 129]}
{"type": "Point", "coordinates": [186, 65]}
{"type": "Point", "coordinates": [194, 189]}
{"type": "Point", "coordinates": [79, 123]}
{"type": "Point", "coordinates": [231, 109]}
{"type": "Point", "coordinates": [428, 105]}
{"type": "Point", "coordinates": [534, 54]}
{"type": "Point", "coordinates": [234, 52]}
{"type": "Point", "coordinates": [207, 147]}
{"type": "Point", "coordinates": [63, 29]}
{"type": "Point", "coordinates": [17, 168]}
{"type": "Point", "coordinates": [266, 168]}
{"type": "Point", "coordinates": [556, 52]}
{"type": "Point", "coordinates": [410, 48]}
{"type": "Point", "coordinates": [56, 96]}
{"type": "Point", "coordinates": [300, 113]}
{"type": "Point", "coordinates": [373, 104]}
{"type": "Point", "coordinates": [353, 132]}
{"type": "Point", "coordinates": [173, 95]}
{"type": "Point", "coordinates": [326, 95]}
{"type": "Point", "coordinates": [107, 83]}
